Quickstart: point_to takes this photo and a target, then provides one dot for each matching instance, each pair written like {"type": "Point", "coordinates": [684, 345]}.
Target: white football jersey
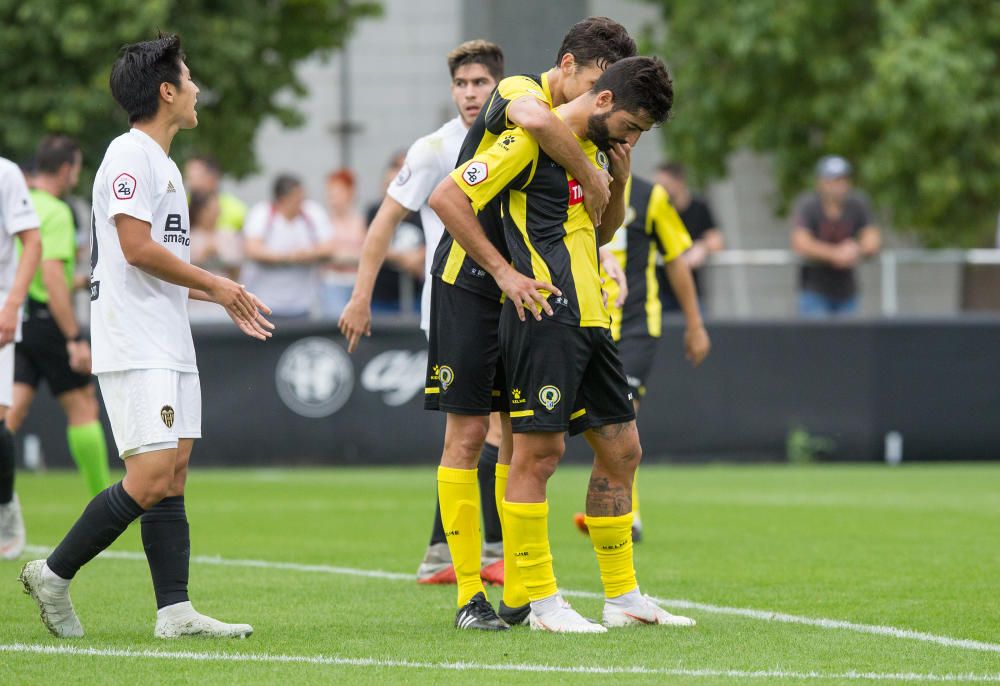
{"type": "Point", "coordinates": [138, 321]}
{"type": "Point", "coordinates": [428, 161]}
{"type": "Point", "coordinates": [17, 214]}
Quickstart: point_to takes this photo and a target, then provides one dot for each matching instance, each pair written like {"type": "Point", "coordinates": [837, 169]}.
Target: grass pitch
{"type": "Point", "coordinates": [912, 549]}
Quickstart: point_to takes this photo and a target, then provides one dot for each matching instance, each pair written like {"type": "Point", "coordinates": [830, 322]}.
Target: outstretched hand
{"type": "Point", "coordinates": [355, 322]}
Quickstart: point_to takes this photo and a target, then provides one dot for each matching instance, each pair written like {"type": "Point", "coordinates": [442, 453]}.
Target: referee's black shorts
{"type": "Point", "coordinates": [637, 354]}
{"type": "Point", "coordinates": [464, 372]}
{"type": "Point", "coordinates": [41, 353]}
{"type": "Point", "coordinates": [562, 377]}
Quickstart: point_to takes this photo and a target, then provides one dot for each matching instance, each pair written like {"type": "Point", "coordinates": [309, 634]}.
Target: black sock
{"type": "Point", "coordinates": [7, 459]}
{"type": "Point", "coordinates": [167, 540]}
{"type": "Point", "coordinates": [102, 522]}
{"type": "Point", "coordinates": [492, 531]}
{"type": "Point", "coordinates": [437, 533]}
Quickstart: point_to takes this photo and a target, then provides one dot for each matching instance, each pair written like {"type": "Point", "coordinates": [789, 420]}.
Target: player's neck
{"type": "Point", "coordinates": [575, 114]}
{"type": "Point", "coordinates": [554, 77]}
{"type": "Point", "coordinates": [161, 130]}
{"type": "Point", "coordinates": [49, 184]}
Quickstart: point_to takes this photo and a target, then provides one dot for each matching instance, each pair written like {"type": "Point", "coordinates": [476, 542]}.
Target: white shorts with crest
{"type": "Point", "coordinates": [151, 409]}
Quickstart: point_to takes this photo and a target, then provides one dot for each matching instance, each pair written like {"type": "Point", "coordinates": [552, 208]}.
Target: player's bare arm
{"type": "Point", "coordinates": [356, 319]}
{"type": "Point", "coordinates": [613, 268]}
{"type": "Point", "coordinates": [142, 252]}
{"type": "Point", "coordinates": [696, 341]}
{"type": "Point", "coordinates": [556, 139]}
{"type": "Point", "coordinates": [620, 157]}
{"type": "Point", "coordinates": [455, 210]}
{"type": "Point", "coordinates": [31, 244]}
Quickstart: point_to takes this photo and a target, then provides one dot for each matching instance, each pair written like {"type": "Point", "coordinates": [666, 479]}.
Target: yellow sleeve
{"type": "Point", "coordinates": [508, 163]}
{"type": "Point", "coordinates": [663, 222]}
{"type": "Point", "coordinates": [509, 90]}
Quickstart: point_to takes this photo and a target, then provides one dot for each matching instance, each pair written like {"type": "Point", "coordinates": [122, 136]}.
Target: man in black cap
{"type": "Point", "coordinates": [833, 230]}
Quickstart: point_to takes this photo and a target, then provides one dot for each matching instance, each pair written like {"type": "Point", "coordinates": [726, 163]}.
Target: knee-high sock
{"type": "Point", "coordinates": [90, 452]}
{"type": "Point", "coordinates": [102, 522]}
{"type": "Point", "coordinates": [7, 466]}
{"type": "Point", "coordinates": [492, 530]}
{"type": "Point", "coordinates": [612, 539]}
{"type": "Point", "coordinates": [458, 493]}
{"type": "Point", "coordinates": [527, 535]}
{"type": "Point", "coordinates": [167, 540]}
{"type": "Point", "coordinates": [514, 592]}
{"type": "Point", "coordinates": [635, 495]}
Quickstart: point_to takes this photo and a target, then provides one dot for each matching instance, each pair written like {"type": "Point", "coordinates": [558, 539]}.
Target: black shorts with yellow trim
{"type": "Point", "coordinates": [637, 354]}
{"type": "Point", "coordinates": [41, 353]}
{"type": "Point", "coordinates": [464, 371]}
{"type": "Point", "coordinates": [562, 377]}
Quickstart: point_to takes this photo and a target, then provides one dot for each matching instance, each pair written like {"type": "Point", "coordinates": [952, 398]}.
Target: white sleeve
{"type": "Point", "coordinates": [420, 174]}
{"type": "Point", "coordinates": [256, 222]}
{"type": "Point", "coordinates": [17, 213]}
{"type": "Point", "coordinates": [129, 180]}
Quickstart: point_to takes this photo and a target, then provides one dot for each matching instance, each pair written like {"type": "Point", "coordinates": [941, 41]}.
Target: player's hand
{"type": "Point", "coordinates": [526, 293]}
{"type": "Point", "coordinates": [597, 194]}
{"type": "Point", "coordinates": [8, 324]}
{"type": "Point", "coordinates": [257, 327]}
{"type": "Point", "coordinates": [234, 297]}
{"type": "Point", "coordinates": [620, 156]}
{"type": "Point", "coordinates": [355, 322]}
{"type": "Point", "coordinates": [613, 268]}
{"type": "Point", "coordinates": [696, 345]}
{"type": "Point", "coordinates": [79, 356]}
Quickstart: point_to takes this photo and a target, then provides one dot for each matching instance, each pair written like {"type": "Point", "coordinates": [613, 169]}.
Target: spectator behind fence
{"type": "Point", "coordinates": [348, 227]}
{"type": "Point", "coordinates": [284, 242]}
{"type": "Point", "coordinates": [203, 173]}
{"type": "Point", "coordinates": [706, 238]}
{"type": "Point", "coordinates": [833, 230]}
{"type": "Point", "coordinates": [404, 263]}
{"type": "Point", "coordinates": [211, 249]}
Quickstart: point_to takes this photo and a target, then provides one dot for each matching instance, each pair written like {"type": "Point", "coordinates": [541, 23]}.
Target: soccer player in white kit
{"type": "Point", "coordinates": [17, 218]}
{"type": "Point", "coordinates": [143, 354]}
{"type": "Point", "coordinates": [476, 67]}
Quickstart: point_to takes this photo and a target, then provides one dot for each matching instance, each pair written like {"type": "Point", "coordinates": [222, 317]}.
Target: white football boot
{"type": "Point", "coordinates": [52, 595]}
{"type": "Point", "coordinates": [181, 619]}
{"type": "Point", "coordinates": [11, 530]}
{"type": "Point", "coordinates": [635, 608]}
{"type": "Point", "coordinates": [560, 618]}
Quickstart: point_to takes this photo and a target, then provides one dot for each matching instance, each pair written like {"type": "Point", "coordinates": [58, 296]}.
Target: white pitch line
{"type": "Point", "coordinates": [762, 615]}
{"type": "Point", "coordinates": [329, 660]}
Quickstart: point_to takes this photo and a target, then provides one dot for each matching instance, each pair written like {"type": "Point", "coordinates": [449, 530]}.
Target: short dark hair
{"type": "Point", "coordinates": [140, 69]}
{"type": "Point", "coordinates": [210, 163]}
{"type": "Point", "coordinates": [597, 41]}
{"type": "Point", "coordinates": [53, 152]}
{"type": "Point", "coordinates": [639, 84]}
{"type": "Point", "coordinates": [674, 169]}
{"type": "Point", "coordinates": [285, 184]}
{"type": "Point", "coordinates": [477, 52]}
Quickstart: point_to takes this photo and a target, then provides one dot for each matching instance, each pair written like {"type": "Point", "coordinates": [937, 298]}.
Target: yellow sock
{"type": "Point", "coordinates": [612, 539]}
{"type": "Point", "coordinates": [458, 493]}
{"type": "Point", "coordinates": [635, 495]}
{"type": "Point", "coordinates": [514, 592]}
{"type": "Point", "coordinates": [527, 535]}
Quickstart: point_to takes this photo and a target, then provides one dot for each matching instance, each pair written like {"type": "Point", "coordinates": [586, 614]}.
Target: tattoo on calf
{"type": "Point", "coordinates": [605, 499]}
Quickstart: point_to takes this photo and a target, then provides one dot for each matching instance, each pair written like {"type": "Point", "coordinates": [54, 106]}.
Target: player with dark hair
{"type": "Point", "coordinates": [475, 67]}
{"type": "Point", "coordinates": [464, 377]}
{"type": "Point", "coordinates": [563, 370]}
{"type": "Point", "coordinates": [143, 353]}
{"type": "Point", "coordinates": [53, 346]}
{"type": "Point", "coordinates": [17, 219]}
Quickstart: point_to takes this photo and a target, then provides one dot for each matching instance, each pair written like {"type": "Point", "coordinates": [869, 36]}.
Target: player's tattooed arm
{"type": "Point", "coordinates": [555, 138]}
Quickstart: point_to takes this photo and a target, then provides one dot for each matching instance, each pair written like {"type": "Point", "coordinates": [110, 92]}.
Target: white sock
{"type": "Point", "coordinates": [177, 611]}
{"type": "Point", "coordinates": [54, 580]}
{"type": "Point", "coordinates": [629, 599]}
{"type": "Point", "coordinates": [546, 606]}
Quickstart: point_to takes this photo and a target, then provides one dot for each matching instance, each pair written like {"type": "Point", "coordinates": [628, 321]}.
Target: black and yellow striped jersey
{"type": "Point", "coordinates": [548, 230]}
{"type": "Point", "coordinates": [451, 263]}
{"type": "Point", "coordinates": [652, 227]}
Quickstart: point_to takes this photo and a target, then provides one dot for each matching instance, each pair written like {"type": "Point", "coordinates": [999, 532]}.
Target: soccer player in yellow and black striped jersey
{"type": "Point", "coordinates": [463, 378]}
{"type": "Point", "coordinates": [652, 229]}
{"type": "Point", "coordinates": [563, 369]}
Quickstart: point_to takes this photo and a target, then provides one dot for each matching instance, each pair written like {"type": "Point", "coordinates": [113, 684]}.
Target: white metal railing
{"type": "Point", "coordinates": [888, 260]}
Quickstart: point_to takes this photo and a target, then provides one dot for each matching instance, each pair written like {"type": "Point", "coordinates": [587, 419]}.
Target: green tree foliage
{"type": "Point", "coordinates": [906, 89]}
{"type": "Point", "coordinates": [56, 57]}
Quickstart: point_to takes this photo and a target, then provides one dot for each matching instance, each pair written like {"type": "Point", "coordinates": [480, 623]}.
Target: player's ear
{"type": "Point", "coordinates": [605, 100]}
{"type": "Point", "coordinates": [167, 90]}
{"type": "Point", "coordinates": [567, 64]}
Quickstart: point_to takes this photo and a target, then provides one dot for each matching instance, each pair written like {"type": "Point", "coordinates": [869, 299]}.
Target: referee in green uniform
{"type": "Point", "coordinates": [52, 345]}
